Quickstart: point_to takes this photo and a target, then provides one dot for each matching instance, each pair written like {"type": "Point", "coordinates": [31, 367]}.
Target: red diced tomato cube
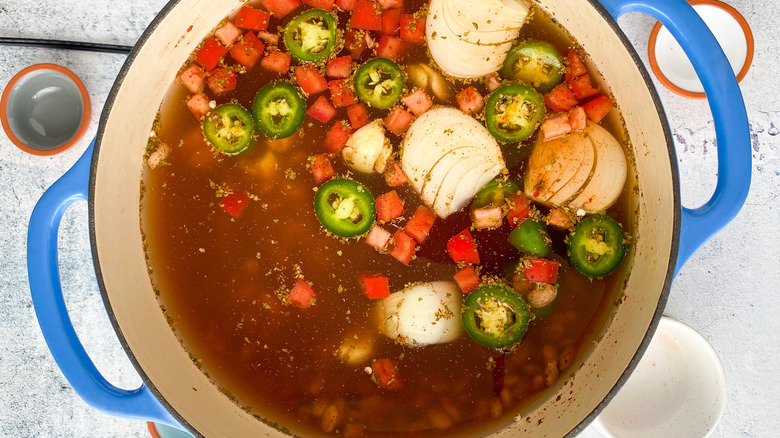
{"type": "Point", "coordinates": [470, 100]}
{"type": "Point", "coordinates": [418, 102]}
{"type": "Point", "coordinates": [492, 81]}
{"type": "Point", "coordinates": [391, 4]}
{"type": "Point", "coordinates": [252, 19]}
{"type": "Point", "coordinates": [541, 270]}
{"type": "Point", "coordinates": [560, 219]}
{"type": "Point", "coordinates": [320, 4]}
{"type": "Point", "coordinates": [390, 47]}
{"type": "Point", "coordinates": [210, 53]}
{"type": "Point", "coordinates": [310, 79]}
{"type": "Point", "coordinates": [321, 168]}
{"type": "Point", "coordinates": [366, 16]}
{"type": "Point", "coordinates": [583, 88]}
{"type": "Point", "coordinates": [556, 126]}
{"type": "Point", "coordinates": [398, 120]}
{"type": "Point", "coordinates": [391, 22]}
{"type": "Point", "coordinates": [374, 286]}
{"type": "Point", "coordinates": [378, 237]}
{"type": "Point", "coordinates": [598, 108]}
{"type": "Point", "coordinates": [575, 66]}
{"type": "Point", "coordinates": [518, 209]}
{"type": "Point", "coordinates": [420, 224]}
{"type": "Point", "coordinates": [467, 279]}
{"type": "Point", "coordinates": [322, 110]}
{"type": "Point", "coordinates": [386, 374]}
{"type": "Point", "coordinates": [341, 93]}
{"type": "Point", "coordinates": [402, 247]}
{"type": "Point", "coordinates": [234, 203]}
{"type": "Point", "coordinates": [355, 42]}
{"type": "Point", "coordinates": [395, 175]}
{"type": "Point", "coordinates": [302, 295]}
{"type": "Point", "coordinates": [578, 119]}
{"type": "Point", "coordinates": [277, 61]}
{"type": "Point", "coordinates": [463, 248]}
{"type": "Point", "coordinates": [389, 206]}
{"type": "Point", "coordinates": [487, 217]}
{"type": "Point", "coordinates": [228, 34]}
{"type": "Point", "coordinates": [560, 98]}
{"type": "Point", "coordinates": [199, 105]}
{"type": "Point", "coordinates": [358, 115]}
{"type": "Point", "coordinates": [413, 28]}
{"type": "Point", "coordinates": [248, 50]}
{"type": "Point", "coordinates": [193, 78]}
{"type": "Point", "coordinates": [337, 136]}
{"type": "Point", "coordinates": [346, 5]}
{"type": "Point", "coordinates": [221, 81]}
{"type": "Point", "coordinates": [339, 68]}
{"type": "Point", "coordinates": [281, 8]}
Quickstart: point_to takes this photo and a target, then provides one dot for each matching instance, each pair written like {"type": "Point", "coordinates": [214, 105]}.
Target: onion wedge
{"type": "Point", "coordinates": [423, 314]}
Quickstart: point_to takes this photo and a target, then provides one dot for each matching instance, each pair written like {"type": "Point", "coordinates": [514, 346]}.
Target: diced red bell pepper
{"type": "Point", "coordinates": [199, 105]}
{"type": "Point", "coordinates": [341, 93]}
{"type": "Point", "coordinates": [541, 270]}
{"type": "Point", "coordinates": [366, 16]}
{"type": "Point", "coordinates": [322, 110]}
{"type": "Point", "coordinates": [358, 115]}
{"type": "Point", "coordinates": [277, 61]}
{"type": "Point", "coordinates": [391, 22]}
{"type": "Point", "coordinates": [413, 28]}
{"type": "Point", "coordinates": [518, 209]}
{"type": "Point", "coordinates": [234, 203]}
{"type": "Point", "coordinates": [395, 175]}
{"type": "Point", "coordinates": [402, 247]}
{"type": "Point", "coordinates": [228, 34]}
{"type": "Point", "coordinates": [556, 126]}
{"type": "Point", "coordinates": [248, 50]}
{"type": "Point", "coordinates": [378, 237]}
{"type": "Point", "coordinates": [418, 102]}
{"type": "Point", "coordinates": [398, 121]}
{"type": "Point", "coordinates": [281, 8]}
{"type": "Point", "coordinates": [321, 168]}
{"type": "Point", "coordinates": [386, 374]}
{"type": "Point", "coordinates": [391, 4]}
{"type": "Point", "coordinates": [346, 5]}
{"type": "Point", "coordinates": [492, 81]}
{"type": "Point", "coordinates": [487, 217]}
{"type": "Point", "coordinates": [420, 224]}
{"type": "Point", "coordinates": [337, 136]}
{"type": "Point", "coordinates": [193, 78]}
{"type": "Point", "coordinates": [320, 4]}
{"type": "Point", "coordinates": [470, 100]}
{"type": "Point", "coordinates": [560, 219]}
{"type": "Point", "coordinates": [310, 79]}
{"type": "Point", "coordinates": [375, 286]}
{"type": "Point", "coordinates": [355, 42]}
{"type": "Point", "coordinates": [252, 19]}
{"type": "Point", "coordinates": [575, 66]}
{"type": "Point", "coordinates": [583, 88]}
{"type": "Point", "coordinates": [389, 206]}
{"type": "Point", "coordinates": [222, 80]}
{"type": "Point", "coordinates": [598, 108]}
{"type": "Point", "coordinates": [390, 47]}
{"type": "Point", "coordinates": [467, 279]}
{"type": "Point", "coordinates": [302, 295]}
{"type": "Point", "coordinates": [463, 248]}
{"type": "Point", "coordinates": [209, 54]}
{"type": "Point", "coordinates": [339, 68]}
{"type": "Point", "coordinates": [560, 98]}
{"type": "Point", "coordinates": [578, 119]}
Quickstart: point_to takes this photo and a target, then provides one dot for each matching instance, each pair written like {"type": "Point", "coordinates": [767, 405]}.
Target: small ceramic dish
{"type": "Point", "coordinates": [162, 431]}
{"type": "Point", "coordinates": [678, 389]}
{"type": "Point", "coordinates": [672, 67]}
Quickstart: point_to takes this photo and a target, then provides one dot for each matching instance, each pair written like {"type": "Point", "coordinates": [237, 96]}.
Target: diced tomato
{"type": "Point", "coordinates": [248, 50]}
{"type": "Point", "coordinates": [402, 247]}
{"type": "Point", "coordinates": [390, 47]}
{"type": "Point", "coordinates": [391, 22]}
{"type": "Point", "coordinates": [463, 248]}
{"type": "Point", "coordinates": [560, 98]}
{"type": "Point", "coordinates": [302, 295]}
{"type": "Point", "coordinates": [391, 4]}
{"type": "Point", "coordinates": [234, 203]}
{"type": "Point", "coordinates": [310, 79]}
{"type": "Point", "coordinates": [556, 126]}
{"type": "Point", "coordinates": [199, 105]}
{"type": "Point", "coordinates": [281, 8]}
{"type": "Point", "coordinates": [492, 81]}
{"type": "Point", "coordinates": [346, 5]}
{"type": "Point", "coordinates": [578, 119]}
{"type": "Point", "coordinates": [378, 237]}
{"type": "Point", "coordinates": [560, 219]}
{"type": "Point", "coordinates": [470, 100]}
{"type": "Point", "coordinates": [355, 43]}
{"type": "Point", "coordinates": [583, 88]}
{"type": "Point", "coordinates": [389, 206]}
{"type": "Point", "coordinates": [341, 93]}
{"type": "Point", "coordinates": [519, 208]}
{"type": "Point", "coordinates": [420, 224]}
{"type": "Point", "coordinates": [337, 136]}
{"type": "Point", "coordinates": [366, 16]}
{"type": "Point", "coordinates": [487, 217]}
{"type": "Point", "coordinates": [222, 80]}
{"type": "Point", "coordinates": [467, 279]}
{"type": "Point", "coordinates": [412, 29]}
{"type": "Point", "coordinates": [277, 61]}
{"type": "Point", "coordinates": [398, 120]}
{"type": "Point", "coordinates": [386, 374]}
{"type": "Point", "coordinates": [210, 53]}
{"type": "Point", "coordinates": [418, 102]}
{"type": "Point", "coordinates": [358, 115]}
{"type": "Point", "coordinates": [541, 270]}
{"type": "Point", "coordinates": [321, 168]}
{"type": "Point", "coordinates": [193, 78]}
{"type": "Point", "coordinates": [269, 38]}
{"type": "Point", "coordinates": [252, 19]}
{"type": "Point", "coordinates": [320, 4]}
{"type": "Point", "coordinates": [395, 175]}
{"type": "Point", "coordinates": [228, 34]}
{"type": "Point", "coordinates": [575, 66]}
{"type": "Point", "coordinates": [339, 68]}
{"type": "Point", "coordinates": [322, 110]}
{"type": "Point", "coordinates": [598, 108]}
{"type": "Point", "coordinates": [375, 286]}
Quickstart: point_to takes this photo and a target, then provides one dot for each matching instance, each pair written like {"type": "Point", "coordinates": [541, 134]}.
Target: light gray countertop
{"type": "Point", "coordinates": [729, 291]}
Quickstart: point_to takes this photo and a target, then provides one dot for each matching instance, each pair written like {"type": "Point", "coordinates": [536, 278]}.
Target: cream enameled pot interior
{"type": "Point", "coordinates": [166, 366]}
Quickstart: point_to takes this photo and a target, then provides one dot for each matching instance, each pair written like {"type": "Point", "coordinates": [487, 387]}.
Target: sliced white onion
{"type": "Point", "coordinates": [367, 149]}
{"type": "Point", "coordinates": [609, 173]}
{"type": "Point", "coordinates": [423, 314]}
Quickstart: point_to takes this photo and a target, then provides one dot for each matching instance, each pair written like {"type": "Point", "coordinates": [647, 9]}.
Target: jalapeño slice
{"type": "Point", "coordinates": [278, 110]}
{"type": "Point", "coordinates": [228, 128]}
{"type": "Point", "coordinates": [597, 245]}
{"type": "Point", "coordinates": [379, 83]}
{"type": "Point", "coordinates": [513, 112]}
{"type": "Point", "coordinates": [531, 238]}
{"type": "Point", "coordinates": [311, 36]}
{"type": "Point", "coordinates": [494, 193]}
{"type": "Point", "coordinates": [345, 207]}
{"type": "Point", "coordinates": [535, 62]}
{"type": "Point", "coordinates": [495, 316]}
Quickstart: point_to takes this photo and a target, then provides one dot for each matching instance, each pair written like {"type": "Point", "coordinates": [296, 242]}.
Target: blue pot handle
{"type": "Point", "coordinates": [53, 318]}
{"type": "Point", "coordinates": [728, 112]}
